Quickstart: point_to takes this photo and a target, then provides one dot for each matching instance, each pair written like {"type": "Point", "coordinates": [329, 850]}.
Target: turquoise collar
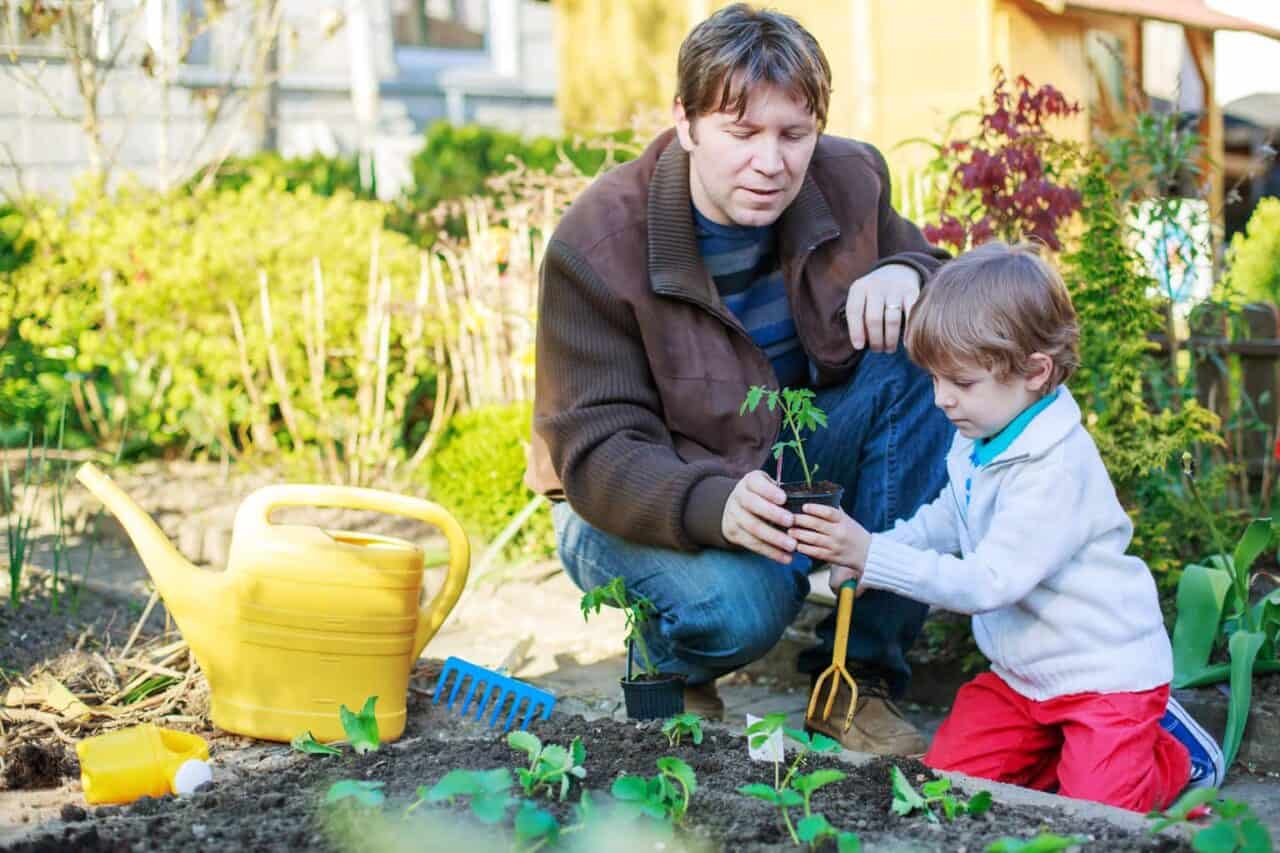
{"type": "Point", "coordinates": [985, 450]}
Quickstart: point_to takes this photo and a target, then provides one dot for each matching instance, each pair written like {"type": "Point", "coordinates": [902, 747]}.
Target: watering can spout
{"type": "Point", "coordinates": [183, 586]}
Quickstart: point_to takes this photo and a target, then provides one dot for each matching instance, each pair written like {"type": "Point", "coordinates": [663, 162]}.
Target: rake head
{"type": "Point", "coordinates": [833, 678]}
{"type": "Point", "coordinates": [491, 692]}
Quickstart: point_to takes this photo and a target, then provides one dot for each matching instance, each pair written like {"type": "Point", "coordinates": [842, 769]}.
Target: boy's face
{"type": "Point", "coordinates": [745, 171]}
{"type": "Point", "coordinates": [979, 404]}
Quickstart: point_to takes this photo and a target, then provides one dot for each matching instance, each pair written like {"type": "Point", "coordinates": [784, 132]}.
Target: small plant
{"type": "Point", "coordinates": [1204, 592]}
{"type": "Point", "coordinates": [489, 792]}
{"type": "Point", "coordinates": [799, 415]}
{"type": "Point", "coordinates": [683, 725]}
{"type": "Point", "coordinates": [307, 743]}
{"type": "Point", "coordinates": [1045, 842]}
{"type": "Point", "coordinates": [357, 791]}
{"type": "Point", "coordinates": [637, 608]}
{"type": "Point", "coordinates": [549, 766]}
{"type": "Point", "coordinates": [19, 511]}
{"type": "Point", "coordinates": [1236, 829]}
{"type": "Point", "coordinates": [815, 829]}
{"type": "Point", "coordinates": [792, 790]}
{"type": "Point", "coordinates": [664, 797]}
{"type": "Point", "coordinates": [937, 792]}
{"type": "Point", "coordinates": [535, 827]}
{"type": "Point", "coordinates": [362, 728]}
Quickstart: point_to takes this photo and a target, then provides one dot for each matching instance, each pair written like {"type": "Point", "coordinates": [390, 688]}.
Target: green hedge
{"type": "Point", "coordinates": [319, 173]}
{"type": "Point", "coordinates": [477, 473]}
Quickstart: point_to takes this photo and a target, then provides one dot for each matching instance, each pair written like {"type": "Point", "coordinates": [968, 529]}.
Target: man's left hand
{"type": "Point", "coordinates": [879, 304]}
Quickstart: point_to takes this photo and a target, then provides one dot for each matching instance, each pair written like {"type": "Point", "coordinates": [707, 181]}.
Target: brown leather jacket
{"type": "Point", "coordinates": [641, 369]}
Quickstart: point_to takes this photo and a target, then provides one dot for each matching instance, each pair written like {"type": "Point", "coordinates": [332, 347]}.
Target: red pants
{"type": "Point", "coordinates": [1105, 747]}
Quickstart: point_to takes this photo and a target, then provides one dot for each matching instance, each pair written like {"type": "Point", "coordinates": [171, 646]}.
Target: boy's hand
{"type": "Point", "coordinates": [839, 574]}
{"type": "Point", "coordinates": [827, 533]}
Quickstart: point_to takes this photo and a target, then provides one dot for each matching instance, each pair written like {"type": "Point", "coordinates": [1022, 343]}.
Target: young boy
{"type": "Point", "coordinates": [1077, 698]}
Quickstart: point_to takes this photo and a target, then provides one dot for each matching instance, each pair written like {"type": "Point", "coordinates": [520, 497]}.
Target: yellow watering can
{"type": "Point", "coordinates": [302, 620]}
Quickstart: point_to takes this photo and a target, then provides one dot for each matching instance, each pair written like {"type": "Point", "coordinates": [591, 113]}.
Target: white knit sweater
{"type": "Point", "coordinates": [1058, 606]}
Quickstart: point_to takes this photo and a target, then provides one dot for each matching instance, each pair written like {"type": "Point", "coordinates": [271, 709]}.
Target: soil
{"type": "Point", "coordinates": [37, 630]}
{"type": "Point", "coordinates": [276, 802]}
{"type": "Point", "coordinates": [822, 492]}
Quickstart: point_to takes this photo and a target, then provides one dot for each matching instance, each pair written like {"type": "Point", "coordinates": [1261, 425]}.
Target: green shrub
{"type": "Point", "coordinates": [1254, 259]}
{"type": "Point", "coordinates": [136, 289]}
{"type": "Point", "coordinates": [319, 173]}
{"type": "Point", "coordinates": [477, 473]}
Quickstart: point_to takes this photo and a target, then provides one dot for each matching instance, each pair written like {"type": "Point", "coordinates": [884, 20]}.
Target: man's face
{"type": "Point", "coordinates": [745, 171]}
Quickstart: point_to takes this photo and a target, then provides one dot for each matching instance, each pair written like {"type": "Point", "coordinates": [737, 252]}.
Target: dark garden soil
{"type": "Point", "coordinates": [276, 802]}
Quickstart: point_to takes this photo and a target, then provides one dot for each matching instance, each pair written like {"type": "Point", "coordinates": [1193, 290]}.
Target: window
{"type": "Point", "coordinates": [40, 26]}
{"type": "Point", "coordinates": [444, 24]}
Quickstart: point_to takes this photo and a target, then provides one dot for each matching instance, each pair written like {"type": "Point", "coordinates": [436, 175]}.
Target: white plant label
{"type": "Point", "coordinates": [771, 750]}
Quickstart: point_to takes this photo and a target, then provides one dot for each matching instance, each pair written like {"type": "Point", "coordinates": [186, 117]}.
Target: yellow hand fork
{"type": "Point", "coordinates": [837, 672]}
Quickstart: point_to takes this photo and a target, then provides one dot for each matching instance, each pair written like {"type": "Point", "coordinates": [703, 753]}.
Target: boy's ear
{"type": "Point", "coordinates": [1040, 372]}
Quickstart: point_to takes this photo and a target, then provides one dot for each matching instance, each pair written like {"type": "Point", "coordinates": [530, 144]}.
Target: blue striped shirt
{"type": "Point", "coordinates": [743, 263]}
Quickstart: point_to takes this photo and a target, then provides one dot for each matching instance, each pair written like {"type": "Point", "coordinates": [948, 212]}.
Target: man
{"type": "Point", "coordinates": [743, 248]}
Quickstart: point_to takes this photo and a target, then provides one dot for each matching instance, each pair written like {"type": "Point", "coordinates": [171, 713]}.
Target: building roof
{"type": "Point", "coordinates": [1189, 13]}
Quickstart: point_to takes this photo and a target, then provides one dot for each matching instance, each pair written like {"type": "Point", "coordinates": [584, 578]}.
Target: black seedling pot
{"type": "Point", "coordinates": [822, 492]}
{"type": "Point", "coordinates": [653, 697]}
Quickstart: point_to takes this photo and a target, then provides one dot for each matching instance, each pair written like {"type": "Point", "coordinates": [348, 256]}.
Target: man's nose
{"type": "Point", "coordinates": [768, 157]}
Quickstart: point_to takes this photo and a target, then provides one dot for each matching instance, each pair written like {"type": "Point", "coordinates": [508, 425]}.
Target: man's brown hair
{"type": "Point", "coordinates": [994, 306]}
{"type": "Point", "coordinates": [726, 55]}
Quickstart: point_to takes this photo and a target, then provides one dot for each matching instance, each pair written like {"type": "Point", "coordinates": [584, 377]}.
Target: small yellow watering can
{"type": "Point", "coordinates": [303, 620]}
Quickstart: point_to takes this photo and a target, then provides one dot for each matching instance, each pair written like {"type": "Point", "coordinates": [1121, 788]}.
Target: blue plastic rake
{"type": "Point", "coordinates": [488, 685]}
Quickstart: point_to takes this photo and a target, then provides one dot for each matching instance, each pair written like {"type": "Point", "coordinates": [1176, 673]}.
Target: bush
{"type": "Point", "coordinates": [477, 473]}
{"type": "Point", "coordinates": [320, 174]}
{"type": "Point", "coordinates": [137, 289]}
{"type": "Point", "coordinates": [1254, 259]}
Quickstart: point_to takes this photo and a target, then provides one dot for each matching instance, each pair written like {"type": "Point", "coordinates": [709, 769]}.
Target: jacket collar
{"type": "Point", "coordinates": [675, 264]}
{"type": "Point", "coordinates": [1039, 435]}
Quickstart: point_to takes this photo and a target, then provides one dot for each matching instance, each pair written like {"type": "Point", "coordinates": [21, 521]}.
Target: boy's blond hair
{"type": "Point", "coordinates": [994, 306]}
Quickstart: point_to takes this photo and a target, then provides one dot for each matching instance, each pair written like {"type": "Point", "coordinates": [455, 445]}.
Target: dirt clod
{"type": "Point", "coordinates": [37, 765]}
{"type": "Point", "coordinates": [71, 813]}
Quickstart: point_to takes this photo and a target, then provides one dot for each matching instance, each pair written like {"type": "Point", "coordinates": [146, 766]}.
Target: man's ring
{"type": "Point", "coordinates": [893, 307]}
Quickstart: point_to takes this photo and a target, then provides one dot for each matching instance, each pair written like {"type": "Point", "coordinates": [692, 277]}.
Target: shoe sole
{"type": "Point", "coordinates": [1183, 716]}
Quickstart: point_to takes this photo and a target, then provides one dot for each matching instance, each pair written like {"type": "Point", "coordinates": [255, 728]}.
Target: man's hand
{"type": "Point", "coordinates": [828, 533]}
{"type": "Point", "coordinates": [754, 518]}
{"type": "Point", "coordinates": [878, 306]}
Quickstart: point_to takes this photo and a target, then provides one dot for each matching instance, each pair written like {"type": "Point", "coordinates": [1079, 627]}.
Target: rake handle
{"type": "Point", "coordinates": [844, 615]}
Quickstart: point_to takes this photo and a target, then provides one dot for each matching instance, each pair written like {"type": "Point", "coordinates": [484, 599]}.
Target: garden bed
{"type": "Point", "coordinates": [270, 798]}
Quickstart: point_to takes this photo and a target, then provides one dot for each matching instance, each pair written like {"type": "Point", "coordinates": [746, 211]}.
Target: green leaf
{"type": "Point", "coordinates": [1256, 837]}
{"type": "Point", "coordinates": [362, 728]}
{"type": "Point", "coordinates": [363, 793]}
{"type": "Point", "coordinates": [1219, 838]}
{"type": "Point", "coordinates": [577, 752]}
{"type": "Point", "coordinates": [810, 782]}
{"type": "Point", "coordinates": [455, 783]}
{"type": "Point", "coordinates": [848, 842]}
{"type": "Point", "coordinates": [935, 788]}
{"type": "Point", "coordinates": [1045, 842]}
{"type": "Point", "coordinates": [491, 808]}
{"type": "Point", "coordinates": [1243, 646]}
{"type": "Point", "coordinates": [759, 791]}
{"type": "Point", "coordinates": [631, 788]}
{"type": "Point", "coordinates": [788, 797]}
{"type": "Point", "coordinates": [533, 822]}
{"type": "Point", "coordinates": [813, 827]}
{"type": "Point", "coordinates": [949, 807]}
{"type": "Point", "coordinates": [979, 803]}
{"type": "Point", "coordinates": [1256, 537]}
{"type": "Point", "coordinates": [673, 766]}
{"type": "Point", "coordinates": [307, 743]}
{"type": "Point", "coordinates": [1201, 592]}
{"type": "Point", "coordinates": [822, 743]}
{"type": "Point", "coordinates": [905, 798]}
{"type": "Point", "coordinates": [525, 742]}
{"type": "Point", "coordinates": [553, 756]}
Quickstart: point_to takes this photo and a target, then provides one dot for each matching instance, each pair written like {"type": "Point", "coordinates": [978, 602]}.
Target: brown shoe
{"type": "Point", "coordinates": [878, 726]}
{"type": "Point", "coordinates": [704, 700]}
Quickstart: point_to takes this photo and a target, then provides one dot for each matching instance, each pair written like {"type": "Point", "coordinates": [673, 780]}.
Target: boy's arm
{"type": "Point", "coordinates": [935, 526]}
{"type": "Point", "coordinates": [1028, 539]}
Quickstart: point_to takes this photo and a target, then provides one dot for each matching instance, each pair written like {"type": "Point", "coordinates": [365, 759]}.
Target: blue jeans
{"type": "Point", "coordinates": [719, 610]}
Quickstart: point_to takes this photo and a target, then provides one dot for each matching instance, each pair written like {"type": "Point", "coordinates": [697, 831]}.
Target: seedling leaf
{"type": "Point", "coordinates": [362, 728]}
{"type": "Point", "coordinates": [807, 784]}
{"type": "Point", "coordinates": [362, 792]}
{"type": "Point", "coordinates": [631, 788]}
{"type": "Point", "coordinates": [533, 822]}
{"type": "Point", "coordinates": [905, 798]}
{"type": "Point", "coordinates": [760, 791]}
{"type": "Point", "coordinates": [1045, 842]}
{"type": "Point", "coordinates": [681, 771]}
{"type": "Point", "coordinates": [525, 742]}
{"type": "Point", "coordinates": [848, 842]}
{"type": "Point", "coordinates": [307, 743]}
{"type": "Point", "coordinates": [814, 827]}
{"type": "Point", "coordinates": [979, 803]}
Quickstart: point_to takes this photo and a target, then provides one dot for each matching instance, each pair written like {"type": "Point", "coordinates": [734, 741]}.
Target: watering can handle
{"type": "Point", "coordinates": [431, 614]}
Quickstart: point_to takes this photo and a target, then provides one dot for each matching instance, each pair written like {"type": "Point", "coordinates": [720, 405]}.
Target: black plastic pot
{"type": "Point", "coordinates": [822, 492]}
{"type": "Point", "coordinates": [653, 697]}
